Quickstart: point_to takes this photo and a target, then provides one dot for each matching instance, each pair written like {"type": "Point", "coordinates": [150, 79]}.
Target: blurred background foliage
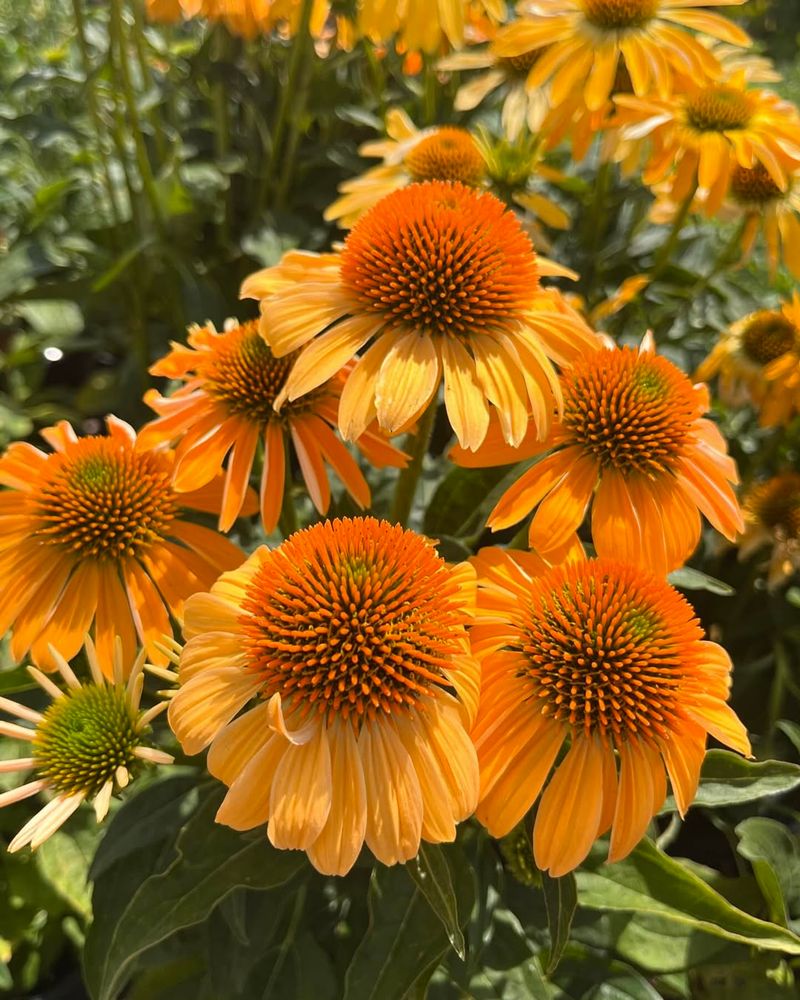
{"type": "Point", "coordinates": [144, 171]}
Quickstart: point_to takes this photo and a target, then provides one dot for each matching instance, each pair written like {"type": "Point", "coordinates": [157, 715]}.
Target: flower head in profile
{"type": "Point", "coordinates": [95, 536]}
{"type": "Point", "coordinates": [772, 518]}
{"type": "Point", "coordinates": [410, 155]}
{"type": "Point", "coordinates": [770, 212]}
{"type": "Point", "coordinates": [442, 283]}
{"type": "Point", "coordinates": [584, 41]}
{"type": "Point", "coordinates": [347, 646]}
{"type": "Point", "coordinates": [225, 408]}
{"type": "Point", "coordinates": [91, 740]}
{"type": "Point", "coordinates": [700, 135]}
{"type": "Point", "coordinates": [633, 442]}
{"type": "Point", "coordinates": [610, 659]}
{"type": "Point", "coordinates": [758, 359]}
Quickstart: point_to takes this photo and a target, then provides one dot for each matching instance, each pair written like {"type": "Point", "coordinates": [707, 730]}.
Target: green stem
{"type": "Point", "coordinates": [119, 42]}
{"type": "Point", "coordinates": [377, 75]}
{"type": "Point", "coordinates": [222, 127]}
{"type": "Point", "coordinates": [520, 540]}
{"type": "Point", "coordinates": [300, 46]}
{"type": "Point", "coordinates": [664, 256]}
{"type": "Point", "coordinates": [728, 255]}
{"type": "Point", "coordinates": [140, 42]}
{"type": "Point", "coordinates": [430, 92]}
{"type": "Point", "coordinates": [407, 481]}
{"type": "Point", "coordinates": [94, 111]}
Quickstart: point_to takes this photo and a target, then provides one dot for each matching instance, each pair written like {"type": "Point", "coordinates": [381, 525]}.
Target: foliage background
{"type": "Point", "coordinates": [139, 183]}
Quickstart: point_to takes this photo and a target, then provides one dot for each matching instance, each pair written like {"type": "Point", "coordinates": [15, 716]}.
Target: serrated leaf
{"type": "Point", "coordinates": [774, 853]}
{"type": "Point", "coordinates": [727, 779]}
{"type": "Point", "coordinates": [649, 882]}
{"type": "Point", "coordinates": [560, 900]}
{"type": "Point", "coordinates": [433, 876]}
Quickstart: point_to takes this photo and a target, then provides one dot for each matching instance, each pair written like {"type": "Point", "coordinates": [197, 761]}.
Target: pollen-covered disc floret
{"type": "Point", "coordinates": [606, 649]}
{"type": "Point", "coordinates": [619, 14]}
{"type": "Point", "coordinates": [718, 109]}
{"type": "Point", "coordinates": [767, 335]}
{"type": "Point", "coordinates": [632, 411]}
{"type": "Point", "coordinates": [104, 500]}
{"type": "Point", "coordinates": [351, 619]}
{"type": "Point", "coordinates": [441, 257]}
{"type": "Point", "coordinates": [775, 505]}
{"type": "Point", "coordinates": [91, 740]}
{"type": "Point", "coordinates": [448, 154]}
{"type": "Point", "coordinates": [84, 737]}
{"type": "Point", "coordinates": [753, 185]}
{"type": "Point", "coordinates": [606, 661]}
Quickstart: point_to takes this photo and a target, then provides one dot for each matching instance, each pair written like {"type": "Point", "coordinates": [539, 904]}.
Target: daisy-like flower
{"type": "Point", "coordinates": [758, 359]}
{"type": "Point", "coordinates": [632, 442]}
{"type": "Point", "coordinates": [421, 26]}
{"type": "Point", "coordinates": [772, 518]}
{"type": "Point", "coordinates": [351, 637]}
{"type": "Point", "coordinates": [441, 153]}
{"type": "Point", "coordinates": [769, 211]}
{"type": "Point", "coordinates": [226, 408]}
{"type": "Point", "coordinates": [609, 657]}
{"type": "Point", "coordinates": [92, 739]}
{"type": "Point", "coordinates": [700, 135]}
{"type": "Point", "coordinates": [443, 281]}
{"type": "Point", "coordinates": [584, 41]}
{"type": "Point", "coordinates": [246, 18]}
{"type": "Point", "coordinates": [522, 105]}
{"type": "Point", "coordinates": [95, 532]}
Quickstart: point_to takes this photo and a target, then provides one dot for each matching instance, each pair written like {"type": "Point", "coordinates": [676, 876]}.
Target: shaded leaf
{"type": "Point", "coordinates": [728, 780]}
{"type": "Point", "coordinates": [774, 853]}
{"type": "Point", "coordinates": [561, 899]}
{"type": "Point", "coordinates": [432, 874]}
{"type": "Point", "coordinates": [687, 578]}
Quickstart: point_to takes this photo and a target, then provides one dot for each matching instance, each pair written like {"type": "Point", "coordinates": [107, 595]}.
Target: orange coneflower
{"type": "Point", "coordinates": [246, 18]}
{"type": "Point", "coordinates": [772, 517]}
{"type": "Point", "coordinates": [700, 135]}
{"type": "Point", "coordinates": [351, 636]}
{"type": "Point", "coordinates": [584, 41]}
{"type": "Point", "coordinates": [226, 408]}
{"type": "Point", "coordinates": [445, 282]}
{"type": "Point", "coordinates": [409, 154]}
{"type": "Point", "coordinates": [758, 358]}
{"type": "Point", "coordinates": [632, 442]}
{"type": "Point", "coordinates": [612, 658]}
{"type": "Point", "coordinates": [768, 210]}
{"type": "Point", "coordinates": [422, 26]}
{"type": "Point", "coordinates": [94, 532]}
{"type": "Point", "coordinates": [91, 739]}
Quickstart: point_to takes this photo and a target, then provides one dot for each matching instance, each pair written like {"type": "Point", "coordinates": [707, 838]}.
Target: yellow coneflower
{"type": "Point", "coordinates": [246, 18]}
{"type": "Point", "coordinates": [612, 659]}
{"type": "Point", "coordinates": [772, 518]}
{"type": "Point", "coordinates": [420, 26]}
{"type": "Point", "coordinates": [444, 283]}
{"type": "Point", "coordinates": [94, 535]}
{"type": "Point", "coordinates": [351, 637]}
{"type": "Point", "coordinates": [226, 407]}
{"type": "Point", "coordinates": [633, 442]}
{"type": "Point", "coordinates": [770, 211]}
{"type": "Point", "coordinates": [409, 154]}
{"type": "Point", "coordinates": [583, 42]}
{"type": "Point", "coordinates": [92, 739]}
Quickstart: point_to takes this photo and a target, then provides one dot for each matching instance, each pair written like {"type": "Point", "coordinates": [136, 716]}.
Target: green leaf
{"type": "Point", "coordinates": [64, 862]}
{"type": "Point", "coordinates": [211, 862]}
{"type": "Point", "coordinates": [55, 318]}
{"type": "Point", "coordinates": [15, 681]}
{"type": "Point", "coordinates": [464, 498]}
{"type": "Point", "coordinates": [432, 874]}
{"type": "Point", "coordinates": [649, 882]}
{"type": "Point", "coordinates": [728, 780]}
{"type": "Point", "coordinates": [560, 900]}
{"type": "Point", "coordinates": [405, 935]}
{"type": "Point", "coordinates": [774, 853]}
{"type": "Point", "coordinates": [687, 578]}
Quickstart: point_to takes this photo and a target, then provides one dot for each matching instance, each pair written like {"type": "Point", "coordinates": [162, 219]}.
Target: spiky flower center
{"type": "Point", "coordinates": [776, 504]}
{"type": "Point", "coordinates": [84, 737]}
{"type": "Point", "coordinates": [606, 647]}
{"type": "Point", "coordinates": [616, 15]}
{"type": "Point", "coordinates": [519, 66]}
{"type": "Point", "coordinates": [102, 499]}
{"type": "Point", "coordinates": [753, 186]}
{"type": "Point", "coordinates": [352, 618]}
{"type": "Point", "coordinates": [718, 109]}
{"type": "Point", "coordinates": [768, 335]}
{"type": "Point", "coordinates": [449, 154]}
{"type": "Point", "coordinates": [631, 411]}
{"type": "Point", "coordinates": [243, 373]}
{"type": "Point", "coordinates": [441, 258]}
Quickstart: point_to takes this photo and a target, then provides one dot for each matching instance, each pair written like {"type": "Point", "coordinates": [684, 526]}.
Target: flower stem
{"type": "Point", "coordinates": [407, 481]}
{"type": "Point", "coordinates": [664, 256]}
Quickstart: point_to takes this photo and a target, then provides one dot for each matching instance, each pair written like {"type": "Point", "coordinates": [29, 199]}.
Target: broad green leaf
{"type": "Point", "coordinates": [433, 876]}
{"type": "Point", "coordinates": [15, 681]}
{"type": "Point", "coordinates": [464, 498]}
{"type": "Point", "coordinates": [64, 862]}
{"type": "Point", "coordinates": [774, 853]}
{"type": "Point", "coordinates": [55, 318]}
{"type": "Point", "coordinates": [688, 578]}
{"type": "Point", "coordinates": [728, 780]}
{"type": "Point", "coordinates": [560, 898]}
{"type": "Point", "coordinates": [649, 882]}
{"type": "Point", "coordinates": [405, 936]}
{"type": "Point", "coordinates": [211, 861]}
